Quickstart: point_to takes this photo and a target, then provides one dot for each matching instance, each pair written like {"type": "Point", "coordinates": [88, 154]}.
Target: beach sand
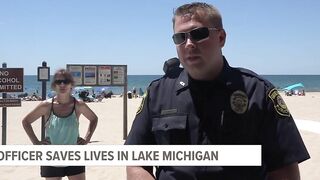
{"type": "Point", "coordinates": [110, 131]}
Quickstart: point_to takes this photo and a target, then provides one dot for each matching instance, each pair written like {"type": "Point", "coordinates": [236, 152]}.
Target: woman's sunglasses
{"type": "Point", "coordinates": [196, 35]}
{"type": "Point", "coordinates": [60, 81]}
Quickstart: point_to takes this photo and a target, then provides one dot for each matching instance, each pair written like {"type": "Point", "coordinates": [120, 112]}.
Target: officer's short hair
{"type": "Point", "coordinates": [194, 8]}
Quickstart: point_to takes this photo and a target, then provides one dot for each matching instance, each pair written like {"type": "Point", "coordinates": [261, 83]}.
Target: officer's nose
{"type": "Point", "coordinates": [189, 43]}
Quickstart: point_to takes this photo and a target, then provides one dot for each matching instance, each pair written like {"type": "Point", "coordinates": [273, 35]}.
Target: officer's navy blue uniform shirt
{"type": "Point", "coordinates": [238, 107]}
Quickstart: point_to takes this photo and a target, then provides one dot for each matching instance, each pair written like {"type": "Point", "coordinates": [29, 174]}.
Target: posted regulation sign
{"type": "Point", "coordinates": [11, 80]}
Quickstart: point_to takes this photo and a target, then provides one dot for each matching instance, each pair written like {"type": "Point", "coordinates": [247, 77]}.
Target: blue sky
{"type": "Point", "coordinates": [268, 37]}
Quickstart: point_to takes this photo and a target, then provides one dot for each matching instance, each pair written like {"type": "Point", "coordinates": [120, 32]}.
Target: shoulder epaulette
{"type": "Point", "coordinates": [250, 73]}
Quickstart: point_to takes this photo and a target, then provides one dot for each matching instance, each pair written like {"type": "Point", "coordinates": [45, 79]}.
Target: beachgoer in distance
{"type": "Point", "coordinates": [209, 102]}
{"type": "Point", "coordinates": [134, 92]}
{"type": "Point", "coordinates": [62, 114]}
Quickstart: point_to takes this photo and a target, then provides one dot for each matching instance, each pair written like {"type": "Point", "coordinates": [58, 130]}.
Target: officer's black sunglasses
{"type": "Point", "coordinates": [60, 81]}
{"type": "Point", "coordinates": [196, 35]}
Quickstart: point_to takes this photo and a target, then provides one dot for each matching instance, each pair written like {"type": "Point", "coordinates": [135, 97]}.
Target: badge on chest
{"type": "Point", "coordinates": [239, 102]}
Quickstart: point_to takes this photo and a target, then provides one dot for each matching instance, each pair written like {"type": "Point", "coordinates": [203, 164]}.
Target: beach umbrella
{"type": "Point", "coordinates": [294, 86]}
{"type": "Point", "coordinates": [80, 88]}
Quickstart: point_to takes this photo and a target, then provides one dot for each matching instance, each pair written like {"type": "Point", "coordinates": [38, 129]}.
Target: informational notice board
{"type": "Point", "coordinates": [98, 75]}
{"type": "Point", "coordinates": [102, 75]}
{"type": "Point", "coordinates": [10, 102]}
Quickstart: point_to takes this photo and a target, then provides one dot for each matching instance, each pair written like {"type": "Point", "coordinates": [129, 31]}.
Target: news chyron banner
{"type": "Point", "coordinates": [130, 155]}
{"type": "Point", "coordinates": [11, 80]}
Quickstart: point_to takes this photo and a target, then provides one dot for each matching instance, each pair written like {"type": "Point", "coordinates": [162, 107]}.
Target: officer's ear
{"type": "Point", "coordinates": [222, 37]}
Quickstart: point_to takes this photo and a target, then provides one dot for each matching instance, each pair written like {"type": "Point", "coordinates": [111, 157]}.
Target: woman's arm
{"type": "Point", "coordinates": [92, 117]}
{"type": "Point", "coordinates": [36, 113]}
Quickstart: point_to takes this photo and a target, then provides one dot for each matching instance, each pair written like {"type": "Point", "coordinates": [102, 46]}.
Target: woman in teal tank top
{"type": "Point", "coordinates": [62, 130]}
{"type": "Point", "coordinates": [62, 114]}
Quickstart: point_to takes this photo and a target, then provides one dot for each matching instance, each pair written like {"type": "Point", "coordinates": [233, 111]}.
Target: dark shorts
{"type": "Point", "coordinates": [50, 171]}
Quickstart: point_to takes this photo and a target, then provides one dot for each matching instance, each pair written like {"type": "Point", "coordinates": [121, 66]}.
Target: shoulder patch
{"type": "Point", "coordinates": [278, 103]}
{"type": "Point", "coordinates": [142, 103]}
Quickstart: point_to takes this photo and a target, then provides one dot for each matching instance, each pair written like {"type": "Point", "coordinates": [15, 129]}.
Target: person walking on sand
{"type": "Point", "coordinates": [62, 114]}
{"type": "Point", "coordinates": [134, 92]}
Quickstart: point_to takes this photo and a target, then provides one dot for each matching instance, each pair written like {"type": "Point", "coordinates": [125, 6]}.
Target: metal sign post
{"type": "Point", "coordinates": [4, 116]}
{"type": "Point", "coordinates": [43, 76]}
{"type": "Point", "coordinates": [11, 80]}
{"type": "Point", "coordinates": [125, 108]}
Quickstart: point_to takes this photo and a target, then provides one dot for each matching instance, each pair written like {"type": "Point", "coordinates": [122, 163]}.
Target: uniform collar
{"type": "Point", "coordinates": [182, 81]}
{"type": "Point", "coordinates": [223, 77]}
{"type": "Point", "coordinates": [226, 73]}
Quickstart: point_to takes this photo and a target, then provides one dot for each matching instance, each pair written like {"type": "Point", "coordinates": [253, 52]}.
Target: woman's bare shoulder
{"type": "Point", "coordinates": [46, 103]}
{"type": "Point", "coordinates": [80, 106]}
{"type": "Point", "coordinates": [79, 102]}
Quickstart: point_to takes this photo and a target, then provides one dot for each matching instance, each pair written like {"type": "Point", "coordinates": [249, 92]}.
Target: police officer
{"type": "Point", "coordinates": [210, 102]}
